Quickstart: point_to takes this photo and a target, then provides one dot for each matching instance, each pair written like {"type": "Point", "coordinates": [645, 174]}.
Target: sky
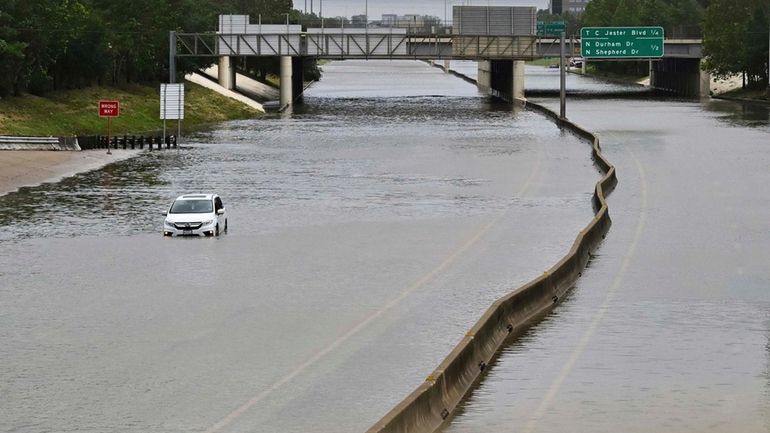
{"type": "Point", "coordinates": [332, 8]}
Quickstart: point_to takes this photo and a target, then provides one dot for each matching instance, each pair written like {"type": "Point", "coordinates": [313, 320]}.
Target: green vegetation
{"type": "Point", "coordinates": [593, 70]}
{"type": "Point", "coordinates": [545, 61]}
{"type": "Point", "coordinates": [679, 18]}
{"type": "Point", "coordinates": [71, 112]}
{"type": "Point", "coordinates": [736, 40]}
{"type": "Point", "coordinates": [751, 94]}
{"type": "Point", "coordinates": [50, 45]}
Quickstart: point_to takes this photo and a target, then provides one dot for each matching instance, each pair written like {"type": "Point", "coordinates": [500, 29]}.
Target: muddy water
{"type": "Point", "coordinates": [368, 230]}
{"type": "Point", "coordinates": [668, 329]}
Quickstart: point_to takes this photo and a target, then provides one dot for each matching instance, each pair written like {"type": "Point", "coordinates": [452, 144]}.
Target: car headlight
{"type": "Point", "coordinates": [168, 224]}
{"type": "Point", "coordinates": [205, 223]}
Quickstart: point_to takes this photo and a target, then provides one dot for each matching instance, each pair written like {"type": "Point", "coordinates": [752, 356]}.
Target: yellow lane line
{"type": "Point", "coordinates": [232, 416]}
{"type": "Point", "coordinates": [556, 385]}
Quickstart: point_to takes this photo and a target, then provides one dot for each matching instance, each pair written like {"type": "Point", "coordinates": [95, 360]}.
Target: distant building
{"type": "Point", "coordinates": [403, 21]}
{"type": "Point", "coordinates": [389, 20]}
{"type": "Point", "coordinates": [558, 7]}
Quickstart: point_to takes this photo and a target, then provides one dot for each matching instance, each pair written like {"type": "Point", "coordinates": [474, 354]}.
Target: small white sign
{"type": "Point", "coordinates": [172, 101]}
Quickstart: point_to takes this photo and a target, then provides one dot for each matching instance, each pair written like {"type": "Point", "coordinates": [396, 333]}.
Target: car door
{"type": "Point", "coordinates": [220, 218]}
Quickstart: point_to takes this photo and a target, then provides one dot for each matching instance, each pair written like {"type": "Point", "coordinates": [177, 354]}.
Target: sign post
{"type": "Point", "coordinates": [172, 107]}
{"type": "Point", "coordinates": [621, 42]}
{"type": "Point", "coordinates": [109, 109]}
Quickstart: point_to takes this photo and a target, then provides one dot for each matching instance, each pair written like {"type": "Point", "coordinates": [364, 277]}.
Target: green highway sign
{"type": "Point", "coordinates": [553, 28]}
{"type": "Point", "coordinates": [621, 42]}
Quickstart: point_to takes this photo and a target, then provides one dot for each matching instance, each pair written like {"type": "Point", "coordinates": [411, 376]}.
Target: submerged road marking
{"type": "Point", "coordinates": [232, 416]}
{"type": "Point", "coordinates": [599, 316]}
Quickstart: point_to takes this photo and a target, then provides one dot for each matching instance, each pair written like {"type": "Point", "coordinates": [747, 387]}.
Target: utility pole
{"type": "Point", "coordinates": [171, 56]}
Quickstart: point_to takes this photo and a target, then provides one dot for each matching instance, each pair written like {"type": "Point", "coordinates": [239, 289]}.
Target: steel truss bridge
{"type": "Point", "coordinates": [388, 46]}
{"type": "Point", "coordinates": [356, 46]}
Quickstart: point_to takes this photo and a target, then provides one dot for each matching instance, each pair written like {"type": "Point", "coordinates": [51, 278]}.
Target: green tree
{"type": "Point", "coordinates": [11, 52]}
{"type": "Point", "coordinates": [736, 39]}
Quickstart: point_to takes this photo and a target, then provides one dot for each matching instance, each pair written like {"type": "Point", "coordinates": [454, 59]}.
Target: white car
{"type": "Point", "coordinates": [195, 215]}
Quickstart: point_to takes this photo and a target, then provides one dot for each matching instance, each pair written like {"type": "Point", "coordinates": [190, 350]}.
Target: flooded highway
{"type": "Point", "coordinates": [368, 230]}
{"type": "Point", "coordinates": [668, 330]}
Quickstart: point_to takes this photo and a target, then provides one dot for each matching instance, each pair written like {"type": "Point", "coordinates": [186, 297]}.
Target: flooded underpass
{"type": "Point", "coordinates": [368, 230]}
{"type": "Point", "coordinates": [668, 330]}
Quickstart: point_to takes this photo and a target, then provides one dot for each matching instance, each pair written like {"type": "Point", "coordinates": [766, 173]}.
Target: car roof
{"type": "Point", "coordinates": [196, 197]}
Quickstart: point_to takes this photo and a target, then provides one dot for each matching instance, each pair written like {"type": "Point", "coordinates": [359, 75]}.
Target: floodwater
{"type": "Point", "coordinates": [540, 80]}
{"type": "Point", "coordinates": [368, 231]}
{"type": "Point", "coordinates": [668, 330]}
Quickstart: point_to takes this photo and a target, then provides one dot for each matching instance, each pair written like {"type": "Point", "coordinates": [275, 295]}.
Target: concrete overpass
{"type": "Point", "coordinates": [501, 54]}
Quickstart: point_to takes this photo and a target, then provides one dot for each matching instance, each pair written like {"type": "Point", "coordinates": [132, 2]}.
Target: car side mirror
{"type": "Point", "coordinates": [220, 211]}
{"type": "Point", "coordinates": [165, 213]}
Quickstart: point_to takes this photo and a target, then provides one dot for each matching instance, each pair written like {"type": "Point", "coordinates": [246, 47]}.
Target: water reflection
{"type": "Point", "coordinates": [121, 198]}
{"type": "Point", "coordinates": [325, 158]}
{"type": "Point", "coordinates": [741, 114]}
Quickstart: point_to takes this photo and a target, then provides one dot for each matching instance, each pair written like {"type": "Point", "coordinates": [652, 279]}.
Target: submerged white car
{"type": "Point", "coordinates": [195, 215]}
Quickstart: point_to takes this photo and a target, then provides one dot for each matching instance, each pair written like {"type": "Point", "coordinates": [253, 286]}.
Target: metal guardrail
{"type": "Point", "coordinates": [32, 143]}
{"type": "Point", "coordinates": [90, 142]}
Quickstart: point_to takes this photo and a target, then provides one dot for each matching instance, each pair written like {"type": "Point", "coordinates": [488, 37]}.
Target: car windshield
{"type": "Point", "coordinates": [192, 206]}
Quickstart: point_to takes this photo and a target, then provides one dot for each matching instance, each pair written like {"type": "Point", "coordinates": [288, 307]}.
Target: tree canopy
{"type": "Point", "coordinates": [736, 39]}
{"type": "Point", "coordinates": [58, 44]}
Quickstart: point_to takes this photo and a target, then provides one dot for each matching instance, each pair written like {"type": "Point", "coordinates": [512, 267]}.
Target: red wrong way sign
{"type": "Point", "coordinates": [109, 108]}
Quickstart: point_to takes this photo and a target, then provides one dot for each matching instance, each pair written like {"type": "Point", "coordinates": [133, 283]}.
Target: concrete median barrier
{"type": "Point", "coordinates": [430, 405]}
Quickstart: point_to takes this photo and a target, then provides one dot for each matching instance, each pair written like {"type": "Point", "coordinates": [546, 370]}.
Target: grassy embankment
{"type": "Point", "coordinates": [75, 111]}
{"type": "Point", "coordinates": [612, 76]}
{"type": "Point", "coordinates": [545, 61]}
{"type": "Point", "coordinates": [759, 95]}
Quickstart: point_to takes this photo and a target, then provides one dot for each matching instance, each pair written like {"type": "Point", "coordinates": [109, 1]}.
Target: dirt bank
{"type": "Point", "coordinates": [28, 168]}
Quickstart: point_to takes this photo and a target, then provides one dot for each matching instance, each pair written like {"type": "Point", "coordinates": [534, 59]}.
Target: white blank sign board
{"type": "Point", "coordinates": [172, 101]}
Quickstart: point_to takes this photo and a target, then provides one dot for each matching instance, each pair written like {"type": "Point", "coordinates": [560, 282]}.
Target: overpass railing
{"type": "Point", "coordinates": [344, 44]}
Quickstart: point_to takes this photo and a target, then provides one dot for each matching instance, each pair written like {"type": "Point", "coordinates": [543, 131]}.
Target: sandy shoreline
{"type": "Point", "coordinates": [20, 168]}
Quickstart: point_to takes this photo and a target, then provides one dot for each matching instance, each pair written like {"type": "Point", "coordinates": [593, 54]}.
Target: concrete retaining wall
{"type": "Point", "coordinates": [432, 403]}
{"type": "Point", "coordinates": [37, 143]}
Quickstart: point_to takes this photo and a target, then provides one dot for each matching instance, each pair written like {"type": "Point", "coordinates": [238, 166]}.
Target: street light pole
{"type": "Point", "coordinates": [562, 79]}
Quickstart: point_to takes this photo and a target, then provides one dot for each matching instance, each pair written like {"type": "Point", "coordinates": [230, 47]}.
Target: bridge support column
{"type": "Point", "coordinates": [297, 79]}
{"type": "Point", "coordinates": [446, 66]}
{"type": "Point", "coordinates": [705, 82]}
{"type": "Point", "coordinates": [518, 80]}
{"type": "Point", "coordinates": [226, 73]}
{"type": "Point", "coordinates": [484, 78]}
{"type": "Point", "coordinates": [286, 81]}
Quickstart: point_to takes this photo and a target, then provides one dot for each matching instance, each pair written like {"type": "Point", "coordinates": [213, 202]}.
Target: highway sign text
{"type": "Point", "coordinates": [621, 42]}
{"type": "Point", "coordinates": [554, 28]}
{"type": "Point", "coordinates": [109, 108]}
